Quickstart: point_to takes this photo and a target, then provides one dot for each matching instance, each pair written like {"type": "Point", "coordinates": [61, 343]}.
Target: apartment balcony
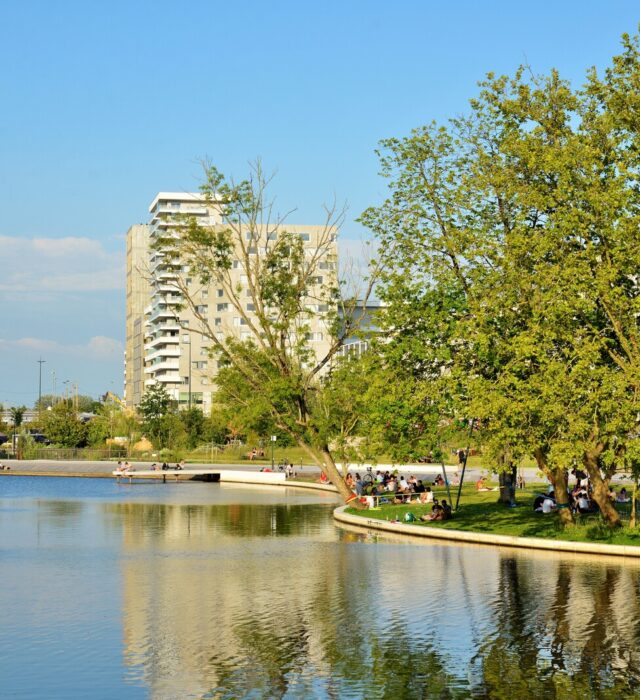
{"type": "Point", "coordinates": [159, 313]}
{"type": "Point", "coordinates": [168, 379]}
{"type": "Point", "coordinates": [163, 352]}
{"type": "Point", "coordinates": [161, 339]}
{"type": "Point", "coordinates": [169, 365]}
{"type": "Point", "coordinates": [165, 379]}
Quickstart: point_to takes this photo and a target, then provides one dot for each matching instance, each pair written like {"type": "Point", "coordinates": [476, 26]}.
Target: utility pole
{"type": "Point", "coordinates": [190, 372]}
{"type": "Point", "coordinates": [40, 363]}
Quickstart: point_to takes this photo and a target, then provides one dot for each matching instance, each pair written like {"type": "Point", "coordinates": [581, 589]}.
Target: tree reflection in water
{"type": "Point", "coordinates": [231, 608]}
{"type": "Point", "coordinates": [583, 645]}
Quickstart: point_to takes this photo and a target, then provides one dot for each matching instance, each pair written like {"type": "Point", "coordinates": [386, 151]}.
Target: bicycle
{"type": "Point", "coordinates": [368, 477]}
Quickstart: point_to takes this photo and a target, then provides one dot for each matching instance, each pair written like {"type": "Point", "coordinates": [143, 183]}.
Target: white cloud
{"type": "Point", "coordinates": [97, 348]}
{"type": "Point", "coordinates": [72, 264]}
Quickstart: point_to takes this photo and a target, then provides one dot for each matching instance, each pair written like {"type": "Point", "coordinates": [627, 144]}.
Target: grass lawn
{"type": "Point", "coordinates": [479, 512]}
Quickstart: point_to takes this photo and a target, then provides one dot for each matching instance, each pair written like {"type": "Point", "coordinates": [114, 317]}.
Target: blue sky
{"type": "Point", "coordinates": [105, 104]}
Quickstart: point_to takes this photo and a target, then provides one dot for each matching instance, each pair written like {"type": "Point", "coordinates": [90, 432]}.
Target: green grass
{"type": "Point", "coordinates": [479, 512]}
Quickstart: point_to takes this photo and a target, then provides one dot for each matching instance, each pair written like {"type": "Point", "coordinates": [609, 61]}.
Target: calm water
{"type": "Point", "coordinates": [211, 591]}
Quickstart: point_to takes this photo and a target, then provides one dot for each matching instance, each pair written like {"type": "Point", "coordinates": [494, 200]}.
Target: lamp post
{"type": "Point", "coordinates": [188, 342]}
{"type": "Point", "coordinates": [40, 363]}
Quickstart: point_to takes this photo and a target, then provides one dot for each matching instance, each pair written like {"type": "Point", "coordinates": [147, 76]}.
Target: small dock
{"type": "Point", "coordinates": [222, 475]}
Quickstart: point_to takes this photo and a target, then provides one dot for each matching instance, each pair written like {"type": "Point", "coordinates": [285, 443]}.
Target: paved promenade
{"type": "Point", "coordinates": [103, 468]}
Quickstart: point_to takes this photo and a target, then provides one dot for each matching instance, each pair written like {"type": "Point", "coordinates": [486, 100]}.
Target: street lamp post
{"type": "Point", "coordinates": [40, 363]}
{"type": "Point", "coordinates": [188, 342]}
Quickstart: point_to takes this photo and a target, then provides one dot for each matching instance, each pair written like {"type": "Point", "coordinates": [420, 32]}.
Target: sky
{"type": "Point", "coordinates": [105, 104]}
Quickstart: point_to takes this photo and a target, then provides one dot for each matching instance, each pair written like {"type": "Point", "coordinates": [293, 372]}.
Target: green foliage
{"type": "Point", "coordinates": [514, 293]}
{"type": "Point", "coordinates": [17, 415]}
{"type": "Point", "coordinates": [154, 409]}
{"type": "Point", "coordinates": [62, 426]}
{"type": "Point", "coordinates": [193, 422]}
{"type": "Point", "coordinates": [270, 376]}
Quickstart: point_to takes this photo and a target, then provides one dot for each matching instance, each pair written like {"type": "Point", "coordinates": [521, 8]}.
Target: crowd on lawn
{"type": "Point", "coordinates": [579, 496]}
{"type": "Point", "coordinates": [387, 487]}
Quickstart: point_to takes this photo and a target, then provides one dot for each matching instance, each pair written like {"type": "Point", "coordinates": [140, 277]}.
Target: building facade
{"type": "Point", "coordinates": [159, 346]}
{"type": "Point", "coordinates": [138, 294]}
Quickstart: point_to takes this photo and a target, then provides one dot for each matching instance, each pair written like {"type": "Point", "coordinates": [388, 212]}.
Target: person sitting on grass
{"type": "Point", "coordinates": [622, 497]}
{"type": "Point", "coordinates": [447, 513]}
{"type": "Point", "coordinates": [585, 505]}
{"type": "Point", "coordinates": [436, 512]}
{"type": "Point", "coordinates": [481, 484]}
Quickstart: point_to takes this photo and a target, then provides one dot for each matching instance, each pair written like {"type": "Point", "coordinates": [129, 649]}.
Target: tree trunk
{"type": "Point", "coordinates": [507, 481]}
{"type": "Point", "coordinates": [559, 480]}
{"type": "Point", "coordinates": [600, 487]}
{"type": "Point", "coordinates": [331, 470]}
{"type": "Point", "coordinates": [328, 465]}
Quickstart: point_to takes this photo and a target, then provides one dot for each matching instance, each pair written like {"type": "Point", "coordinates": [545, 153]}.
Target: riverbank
{"type": "Point", "coordinates": [481, 519]}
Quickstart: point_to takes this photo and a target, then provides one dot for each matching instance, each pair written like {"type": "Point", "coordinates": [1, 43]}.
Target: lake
{"type": "Point", "coordinates": [198, 590]}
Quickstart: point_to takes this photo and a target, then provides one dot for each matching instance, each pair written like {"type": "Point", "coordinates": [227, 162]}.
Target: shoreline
{"type": "Point", "coordinates": [513, 541]}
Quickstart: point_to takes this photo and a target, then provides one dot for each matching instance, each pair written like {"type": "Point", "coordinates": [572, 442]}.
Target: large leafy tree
{"type": "Point", "coordinates": [275, 379]}
{"type": "Point", "coordinates": [526, 213]}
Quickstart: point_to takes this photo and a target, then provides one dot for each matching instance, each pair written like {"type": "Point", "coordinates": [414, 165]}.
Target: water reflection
{"type": "Point", "coordinates": [231, 611]}
{"type": "Point", "coordinates": [271, 599]}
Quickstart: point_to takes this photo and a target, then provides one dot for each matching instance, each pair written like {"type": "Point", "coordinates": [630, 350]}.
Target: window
{"type": "Point", "coordinates": [252, 250]}
{"type": "Point", "coordinates": [245, 335]}
{"type": "Point", "coordinates": [200, 364]}
{"type": "Point", "coordinates": [220, 292]}
{"type": "Point", "coordinates": [186, 338]}
{"type": "Point", "coordinates": [219, 335]}
{"type": "Point", "coordinates": [319, 279]}
{"type": "Point", "coordinates": [217, 321]}
{"type": "Point", "coordinates": [205, 294]}
{"type": "Point", "coordinates": [244, 279]}
{"type": "Point", "coordinates": [204, 352]}
{"type": "Point", "coordinates": [251, 307]}
{"type": "Point", "coordinates": [223, 307]}
{"type": "Point", "coordinates": [304, 236]}
{"type": "Point", "coordinates": [236, 264]}
{"type": "Point", "coordinates": [202, 309]}
{"type": "Point", "coordinates": [314, 337]}
{"type": "Point", "coordinates": [272, 236]}
{"type": "Point", "coordinates": [204, 380]}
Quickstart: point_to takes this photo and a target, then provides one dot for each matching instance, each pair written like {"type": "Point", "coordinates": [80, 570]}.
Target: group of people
{"type": "Point", "coordinates": [579, 498]}
{"type": "Point", "coordinates": [127, 467]}
{"type": "Point", "coordinates": [390, 488]}
{"type": "Point", "coordinates": [440, 510]}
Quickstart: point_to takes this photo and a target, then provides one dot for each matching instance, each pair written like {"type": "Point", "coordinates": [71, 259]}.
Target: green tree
{"type": "Point", "coordinates": [154, 407]}
{"type": "Point", "coordinates": [524, 213]}
{"type": "Point", "coordinates": [193, 421]}
{"type": "Point", "coordinates": [273, 378]}
{"type": "Point", "coordinates": [62, 426]}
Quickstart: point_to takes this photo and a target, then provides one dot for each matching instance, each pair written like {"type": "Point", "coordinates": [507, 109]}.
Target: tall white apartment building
{"type": "Point", "coordinates": [173, 356]}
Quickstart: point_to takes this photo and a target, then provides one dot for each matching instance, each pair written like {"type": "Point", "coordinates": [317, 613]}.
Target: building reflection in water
{"type": "Point", "coordinates": [229, 600]}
